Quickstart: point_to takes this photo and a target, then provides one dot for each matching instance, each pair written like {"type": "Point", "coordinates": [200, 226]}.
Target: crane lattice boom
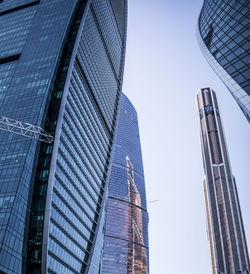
{"type": "Point", "coordinates": [25, 129]}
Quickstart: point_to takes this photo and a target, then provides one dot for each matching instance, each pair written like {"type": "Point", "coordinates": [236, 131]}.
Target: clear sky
{"type": "Point", "coordinates": [164, 69]}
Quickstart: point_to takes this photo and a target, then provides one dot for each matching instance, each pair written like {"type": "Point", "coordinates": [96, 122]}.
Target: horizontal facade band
{"type": "Point", "coordinates": [20, 7]}
{"type": "Point", "coordinates": [118, 238]}
{"type": "Point", "coordinates": [126, 202]}
{"type": "Point", "coordinates": [10, 58]}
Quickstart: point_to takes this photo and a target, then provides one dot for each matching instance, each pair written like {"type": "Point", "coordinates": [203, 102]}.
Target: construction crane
{"type": "Point", "coordinates": [25, 129]}
{"type": "Point", "coordinates": [154, 201]}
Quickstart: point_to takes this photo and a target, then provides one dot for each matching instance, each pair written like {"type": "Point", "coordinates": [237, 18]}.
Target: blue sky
{"type": "Point", "coordinates": [164, 69]}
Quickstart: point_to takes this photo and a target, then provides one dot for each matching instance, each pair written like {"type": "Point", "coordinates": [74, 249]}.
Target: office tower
{"type": "Point", "coordinates": [61, 69]}
{"type": "Point", "coordinates": [222, 34]}
{"type": "Point", "coordinates": [225, 227]}
{"type": "Point", "coordinates": [126, 230]}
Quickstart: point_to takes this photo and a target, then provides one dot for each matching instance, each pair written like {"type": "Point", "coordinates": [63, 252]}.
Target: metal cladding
{"type": "Point", "coordinates": [223, 39]}
{"type": "Point", "coordinates": [126, 230]}
{"type": "Point", "coordinates": [61, 74]}
{"type": "Point", "coordinates": [225, 226]}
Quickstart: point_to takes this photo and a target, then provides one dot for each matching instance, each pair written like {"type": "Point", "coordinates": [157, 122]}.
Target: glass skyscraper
{"type": "Point", "coordinates": [223, 37]}
{"type": "Point", "coordinates": [126, 230]}
{"type": "Point", "coordinates": [228, 244]}
{"type": "Point", "coordinates": [61, 69]}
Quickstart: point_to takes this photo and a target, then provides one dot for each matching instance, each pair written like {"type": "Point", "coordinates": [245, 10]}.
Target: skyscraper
{"type": "Point", "coordinates": [61, 69]}
{"type": "Point", "coordinates": [228, 245]}
{"type": "Point", "coordinates": [223, 38]}
{"type": "Point", "coordinates": [126, 230]}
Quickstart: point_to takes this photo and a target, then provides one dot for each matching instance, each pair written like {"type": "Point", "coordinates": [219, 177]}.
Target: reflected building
{"type": "Point", "coordinates": [228, 244]}
{"type": "Point", "coordinates": [137, 257]}
{"type": "Point", "coordinates": [61, 69]}
{"type": "Point", "coordinates": [223, 38]}
{"type": "Point", "coordinates": [126, 231]}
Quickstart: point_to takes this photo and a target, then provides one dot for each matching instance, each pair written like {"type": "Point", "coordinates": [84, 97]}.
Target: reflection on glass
{"type": "Point", "coordinates": [137, 257]}
{"type": "Point", "coordinates": [126, 228]}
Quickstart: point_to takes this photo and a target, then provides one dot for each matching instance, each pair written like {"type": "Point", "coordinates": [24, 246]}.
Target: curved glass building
{"type": "Point", "coordinates": [226, 233]}
{"type": "Point", "coordinates": [126, 230]}
{"type": "Point", "coordinates": [223, 38]}
{"type": "Point", "coordinates": [61, 69]}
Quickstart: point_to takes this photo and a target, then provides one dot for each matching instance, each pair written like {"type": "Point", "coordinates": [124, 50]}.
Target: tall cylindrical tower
{"type": "Point", "coordinates": [225, 227]}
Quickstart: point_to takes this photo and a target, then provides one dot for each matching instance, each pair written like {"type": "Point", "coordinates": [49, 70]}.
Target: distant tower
{"type": "Point", "coordinates": [126, 229]}
{"type": "Point", "coordinates": [223, 37]}
{"type": "Point", "coordinates": [225, 226]}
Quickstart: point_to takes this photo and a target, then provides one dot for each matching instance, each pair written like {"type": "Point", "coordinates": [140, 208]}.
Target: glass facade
{"type": "Point", "coordinates": [228, 244]}
{"type": "Point", "coordinates": [61, 68]}
{"type": "Point", "coordinates": [126, 229]}
{"type": "Point", "coordinates": [223, 38]}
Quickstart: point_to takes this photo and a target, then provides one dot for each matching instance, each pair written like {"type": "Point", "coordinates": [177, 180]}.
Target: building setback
{"type": "Point", "coordinates": [126, 230]}
{"type": "Point", "coordinates": [223, 38]}
{"type": "Point", "coordinates": [228, 245]}
{"type": "Point", "coordinates": [61, 69]}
